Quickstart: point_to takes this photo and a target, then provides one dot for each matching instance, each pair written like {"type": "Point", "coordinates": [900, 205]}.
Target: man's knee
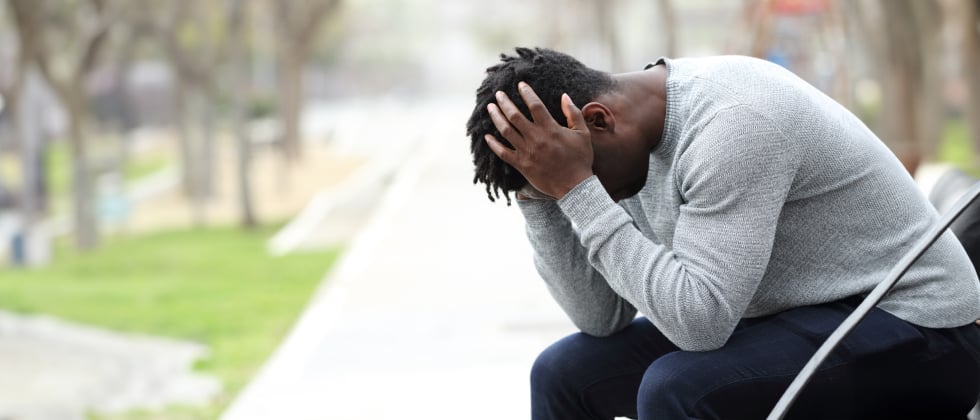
{"type": "Point", "coordinates": [672, 385]}
{"type": "Point", "coordinates": [555, 366]}
{"type": "Point", "coordinates": [665, 385]}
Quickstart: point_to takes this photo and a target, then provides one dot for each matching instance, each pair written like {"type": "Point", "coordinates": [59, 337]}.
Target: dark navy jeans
{"type": "Point", "coordinates": [886, 368]}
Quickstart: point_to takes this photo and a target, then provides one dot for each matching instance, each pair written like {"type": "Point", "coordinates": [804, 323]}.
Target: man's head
{"type": "Point", "coordinates": [551, 74]}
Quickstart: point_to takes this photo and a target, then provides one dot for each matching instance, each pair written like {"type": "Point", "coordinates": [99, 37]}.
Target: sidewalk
{"type": "Point", "coordinates": [434, 312]}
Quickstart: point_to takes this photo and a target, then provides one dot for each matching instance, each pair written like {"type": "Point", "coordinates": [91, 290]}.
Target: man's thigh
{"type": "Point", "coordinates": [596, 377]}
{"type": "Point", "coordinates": [884, 367]}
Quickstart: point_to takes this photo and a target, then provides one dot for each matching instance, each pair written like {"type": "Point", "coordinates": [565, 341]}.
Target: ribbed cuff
{"type": "Point", "coordinates": [586, 202]}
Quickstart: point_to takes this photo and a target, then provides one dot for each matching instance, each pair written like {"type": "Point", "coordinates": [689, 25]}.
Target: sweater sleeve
{"type": "Point", "coordinates": [581, 292]}
{"type": "Point", "coordinates": [734, 178]}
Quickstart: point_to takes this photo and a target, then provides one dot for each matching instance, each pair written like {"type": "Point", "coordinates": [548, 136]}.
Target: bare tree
{"type": "Point", "coordinates": [236, 17]}
{"type": "Point", "coordinates": [837, 32]}
{"type": "Point", "coordinates": [668, 20]}
{"type": "Point", "coordinates": [759, 16]}
{"type": "Point", "coordinates": [298, 23]}
{"type": "Point", "coordinates": [903, 41]}
{"type": "Point", "coordinates": [204, 44]}
{"type": "Point", "coordinates": [28, 140]}
{"type": "Point", "coordinates": [11, 94]}
{"type": "Point", "coordinates": [605, 15]}
{"type": "Point", "coordinates": [67, 40]}
{"type": "Point", "coordinates": [195, 38]}
{"type": "Point", "coordinates": [929, 20]}
{"type": "Point", "coordinates": [908, 75]}
{"type": "Point", "coordinates": [971, 65]}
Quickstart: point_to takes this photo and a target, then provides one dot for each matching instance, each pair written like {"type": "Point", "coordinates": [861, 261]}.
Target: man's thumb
{"type": "Point", "coordinates": [572, 113]}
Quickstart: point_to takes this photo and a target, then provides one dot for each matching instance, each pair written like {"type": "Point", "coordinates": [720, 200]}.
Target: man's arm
{"type": "Point", "coordinates": [735, 178]}
{"type": "Point", "coordinates": [562, 262]}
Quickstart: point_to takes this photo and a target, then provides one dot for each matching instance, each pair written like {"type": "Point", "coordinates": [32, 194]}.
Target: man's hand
{"type": "Point", "coordinates": [531, 193]}
{"type": "Point", "coordinates": [554, 159]}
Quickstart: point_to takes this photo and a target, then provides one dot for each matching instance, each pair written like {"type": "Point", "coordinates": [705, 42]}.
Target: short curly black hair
{"type": "Point", "coordinates": [550, 74]}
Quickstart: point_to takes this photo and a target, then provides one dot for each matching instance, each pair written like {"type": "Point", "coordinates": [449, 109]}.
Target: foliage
{"type": "Point", "coordinates": [956, 149]}
{"type": "Point", "coordinates": [260, 106]}
{"type": "Point", "coordinates": [215, 286]}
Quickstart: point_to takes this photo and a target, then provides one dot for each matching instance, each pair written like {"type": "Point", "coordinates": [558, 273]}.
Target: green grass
{"type": "Point", "coordinates": [58, 160]}
{"type": "Point", "coordinates": [215, 286]}
{"type": "Point", "coordinates": [956, 148]}
{"type": "Point", "coordinates": [138, 167]}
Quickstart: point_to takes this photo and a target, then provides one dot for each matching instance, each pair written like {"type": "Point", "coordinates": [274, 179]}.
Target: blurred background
{"type": "Point", "coordinates": [177, 177]}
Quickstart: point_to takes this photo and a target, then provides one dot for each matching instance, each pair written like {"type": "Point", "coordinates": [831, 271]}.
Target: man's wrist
{"type": "Point", "coordinates": [586, 201]}
{"type": "Point", "coordinates": [531, 193]}
{"type": "Point", "coordinates": [580, 180]}
{"type": "Point", "coordinates": [540, 213]}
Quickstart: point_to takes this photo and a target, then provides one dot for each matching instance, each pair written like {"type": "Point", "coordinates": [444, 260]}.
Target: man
{"type": "Point", "coordinates": [744, 214]}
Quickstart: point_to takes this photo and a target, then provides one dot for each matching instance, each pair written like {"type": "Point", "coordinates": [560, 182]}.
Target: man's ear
{"type": "Point", "coordinates": [598, 117]}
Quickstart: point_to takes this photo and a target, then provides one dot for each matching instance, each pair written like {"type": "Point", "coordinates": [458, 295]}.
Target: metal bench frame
{"type": "Point", "coordinates": [828, 346]}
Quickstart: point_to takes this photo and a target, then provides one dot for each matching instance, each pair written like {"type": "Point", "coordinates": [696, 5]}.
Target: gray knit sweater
{"type": "Point", "coordinates": [763, 195]}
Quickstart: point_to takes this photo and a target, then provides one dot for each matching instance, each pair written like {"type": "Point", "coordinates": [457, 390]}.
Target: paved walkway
{"type": "Point", "coordinates": [435, 312]}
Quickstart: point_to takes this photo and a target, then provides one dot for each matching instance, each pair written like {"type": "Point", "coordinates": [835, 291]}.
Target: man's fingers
{"type": "Point", "coordinates": [576, 121]}
{"type": "Point", "coordinates": [505, 128]}
{"type": "Point", "coordinates": [512, 113]}
{"type": "Point", "coordinates": [538, 111]}
{"type": "Point", "coordinates": [498, 148]}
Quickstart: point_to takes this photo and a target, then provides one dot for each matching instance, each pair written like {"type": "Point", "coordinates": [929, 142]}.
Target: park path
{"type": "Point", "coordinates": [434, 312]}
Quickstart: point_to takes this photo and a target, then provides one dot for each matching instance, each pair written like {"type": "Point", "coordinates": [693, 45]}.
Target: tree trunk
{"type": "Point", "coordinates": [605, 14]}
{"type": "Point", "coordinates": [971, 67]}
{"type": "Point", "coordinates": [556, 36]}
{"type": "Point", "coordinates": [760, 22]}
{"type": "Point", "coordinates": [198, 178]}
{"type": "Point", "coordinates": [84, 218]}
{"type": "Point", "coordinates": [668, 18]}
{"type": "Point", "coordinates": [928, 18]}
{"type": "Point", "coordinates": [243, 149]}
{"type": "Point", "coordinates": [208, 155]}
{"type": "Point", "coordinates": [291, 100]}
{"type": "Point", "coordinates": [120, 88]}
{"type": "Point", "coordinates": [187, 164]}
{"type": "Point", "coordinates": [902, 77]}
{"type": "Point", "coordinates": [837, 34]}
{"type": "Point", "coordinates": [14, 113]}
{"type": "Point", "coordinates": [195, 149]}
{"type": "Point", "coordinates": [26, 126]}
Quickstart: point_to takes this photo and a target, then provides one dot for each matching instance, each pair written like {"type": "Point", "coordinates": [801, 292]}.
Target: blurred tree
{"type": "Point", "coordinates": [805, 36]}
{"type": "Point", "coordinates": [759, 17]}
{"type": "Point", "coordinates": [605, 18]}
{"type": "Point", "coordinates": [837, 33]}
{"type": "Point", "coordinates": [67, 39]}
{"type": "Point", "coordinates": [236, 17]}
{"type": "Point", "coordinates": [668, 20]}
{"type": "Point", "coordinates": [908, 60]}
{"type": "Point", "coordinates": [195, 38]}
{"type": "Point", "coordinates": [10, 94]}
{"type": "Point", "coordinates": [899, 40]}
{"type": "Point", "coordinates": [297, 25]}
{"type": "Point", "coordinates": [971, 66]}
{"type": "Point", "coordinates": [118, 110]}
{"type": "Point", "coordinates": [204, 44]}
{"type": "Point", "coordinates": [25, 133]}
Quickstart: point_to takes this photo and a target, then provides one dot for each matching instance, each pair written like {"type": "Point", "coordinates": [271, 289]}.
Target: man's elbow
{"type": "Point", "coordinates": [700, 342]}
{"type": "Point", "coordinates": [594, 331]}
